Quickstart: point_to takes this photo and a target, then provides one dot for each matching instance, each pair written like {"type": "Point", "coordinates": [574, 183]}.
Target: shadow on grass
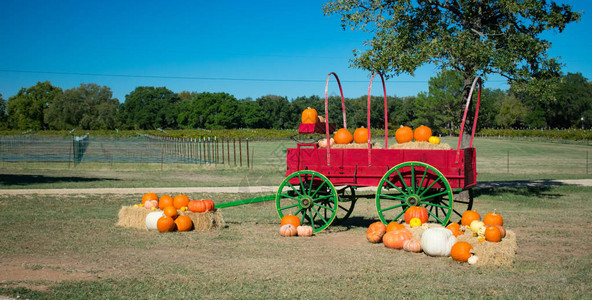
{"type": "Point", "coordinates": [528, 188]}
{"type": "Point", "coordinates": [24, 180]}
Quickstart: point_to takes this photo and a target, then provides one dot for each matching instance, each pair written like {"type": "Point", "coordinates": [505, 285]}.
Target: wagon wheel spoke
{"type": "Point", "coordinates": [430, 189]}
{"type": "Point", "coordinates": [463, 201]}
{"type": "Point", "coordinates": [345, 206]}
{"type": "Point", "coordinates": [315, 196]}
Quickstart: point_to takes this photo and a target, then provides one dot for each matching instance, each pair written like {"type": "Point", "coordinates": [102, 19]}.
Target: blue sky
{"type": "Point", "coordinates": [244, 48]}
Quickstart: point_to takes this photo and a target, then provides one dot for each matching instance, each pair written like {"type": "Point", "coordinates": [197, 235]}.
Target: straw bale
{"type": "Point", "coordinates": [421, 145]}
{"type": "Point", "coordinates": [502, 253]}
{"type": "Point", "coordinates": [374, 145]}
{"type": "Point", "coordinates": [135, 217]}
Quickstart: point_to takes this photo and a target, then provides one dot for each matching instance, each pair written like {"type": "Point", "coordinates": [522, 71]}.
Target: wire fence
{"type": "Point", "coordinates": [141, 149]}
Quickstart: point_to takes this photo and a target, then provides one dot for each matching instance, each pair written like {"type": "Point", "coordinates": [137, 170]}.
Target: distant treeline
{"type": "Point", "coordinates": [92, 107]}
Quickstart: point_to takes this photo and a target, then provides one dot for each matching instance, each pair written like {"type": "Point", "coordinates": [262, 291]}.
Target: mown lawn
{"type": "Point", "coordinates": [74, 240]}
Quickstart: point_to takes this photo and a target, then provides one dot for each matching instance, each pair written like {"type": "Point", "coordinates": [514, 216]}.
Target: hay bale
{"type": "Point", "coordinates": [497, 254]}
{"type": "Point", "coordinates": [502, 253]}
{"type": "Point", "coordinates": [135, 217]}
{"type": "Point", "coordinates": [421, 146]}
{"type": "Point", "coordinates": [374, 145]}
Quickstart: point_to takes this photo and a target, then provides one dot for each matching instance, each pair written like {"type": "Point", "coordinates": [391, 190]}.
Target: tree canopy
{"type": "Point", "coordinates": [471, 36]}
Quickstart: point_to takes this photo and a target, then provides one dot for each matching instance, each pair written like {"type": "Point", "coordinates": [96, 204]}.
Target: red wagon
{"type": "Point", "coordinates": [322, 185]}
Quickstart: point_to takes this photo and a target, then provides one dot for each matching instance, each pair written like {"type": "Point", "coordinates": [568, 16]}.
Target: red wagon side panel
{"type": "Point", "coordinates": [353, 166]}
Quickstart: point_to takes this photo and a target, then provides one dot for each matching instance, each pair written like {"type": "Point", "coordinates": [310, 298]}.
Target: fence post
{"type": "Point", "coordinates": [240, 152]}
{"type": "Point", "coordinates": [228, 150]}
{"type": "Point", "coordinates": [234, 149]}
{"type": "Point", "coordinates": [586, 162]}
{"type": "Point", "coordinates": [508, 162]}
{"type": "Point", "coordinates": [248, 162]}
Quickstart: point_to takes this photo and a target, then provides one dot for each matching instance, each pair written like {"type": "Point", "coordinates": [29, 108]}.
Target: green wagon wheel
{"type": "Point", "coordinates": [313, 199]}
{"type": "Point", "coordinates": [414, 184]}
{"type": "Point", "coordinates": [347, 202]}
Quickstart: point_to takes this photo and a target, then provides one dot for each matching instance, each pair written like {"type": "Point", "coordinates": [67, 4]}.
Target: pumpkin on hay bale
{"type": "Point", "coordinates": [421, 146]}
{"type": "Point", "coordinates": [501, 253]}
{"type": "Point", "coordinates": [135, 217]}
{"type": "Point", "coordinates": [323, 144]}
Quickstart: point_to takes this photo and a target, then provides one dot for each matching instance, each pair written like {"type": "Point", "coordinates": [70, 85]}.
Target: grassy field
{"type": "Point", "coordinates": [67, 247]}
{"type": "Point", "coordinates": [527, 160]}
{"type": "Point", "coordinates": [58, 247]}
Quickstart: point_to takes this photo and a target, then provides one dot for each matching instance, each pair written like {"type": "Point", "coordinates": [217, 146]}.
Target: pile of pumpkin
{"type": "Point", "coordinates": [438, 241]}
{"type": "Point", "coordinates": [343, 137]}
{"type": "Point", "coordinates": [168, 212]}
{"type": "Point", "coordinates": [290, 226]}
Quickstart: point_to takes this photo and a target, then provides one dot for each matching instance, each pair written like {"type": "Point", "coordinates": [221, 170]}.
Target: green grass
{"type": "Point", "coordinates": [76, 236]}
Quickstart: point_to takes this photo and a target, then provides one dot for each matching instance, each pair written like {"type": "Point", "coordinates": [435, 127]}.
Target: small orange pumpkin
{"type": "Point", "coordinates": [196, 206]}
{"type": "Point", "coordinates": [404, 134]}
{"type": "Point", "coordinates": [361, 135]}
{"type": "Point", "coordinates": [288, 230]}
{"type": "Point", "coordinates": [184, 223]}
{"type": "Point", "coordinates": [309, 116]}
{"type": "Point", "coordinates": [170, 211]}
{"type": "Point", "coordinates": [343, 136]}
{"type": "Point", "coordinates": [180, 201]}
{"type": "Point", "coordinates": [165, 200]}
{"type": "Point", "coordinates": [290, 219]}
{"type": "Point", "coordinates": [422, 133]}
{"type": "Point", "coordinates": [419, 212]}
{"type": "Point", "coordinates": [493, 218]}
{"type": "Point", "coordinates": [468, 217]}
{"type": "Point", "coordinates": [394, 226]}
{"type": "Point", "coordinates": [375, 232]}
{"type": "Point", "coordinates": [412, 245]}
{"type": "Point", "coordinates": [304, 230]}
{"type": "Point", "coordinates": [493, 234]}
{"type": "Point", "coordinates": [395, 239]}
{"type": "Point", "coordinates": [502, 230]}
{"type": "Point", "coordinates": [461, 251]}
{"type": "Point", "coordinates": [455, 228]}
{"type": "Point", "coordinates": [149, 197]}
{"type": "Point", "coordinates": [165, 224]}
{"type": "Point", "coordinates": [151, 204]}
{"type": "Point", "coordinates": [209, 204]}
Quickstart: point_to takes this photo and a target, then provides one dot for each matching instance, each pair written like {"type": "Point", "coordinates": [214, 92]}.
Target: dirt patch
{"type": "Point", "coordinates": [41, 273]}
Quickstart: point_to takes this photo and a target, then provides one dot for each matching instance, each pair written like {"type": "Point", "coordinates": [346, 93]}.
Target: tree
{"type": "Point", "coordinates": [3, 115]}
{"type": "Point", "coordinates": [149, 108]}
{"type": "Point", "coordinates": [88, 107]}
{"type": "Point", "coordinates": [574, 101]}
{"type": "Point", "coordinates": [26, 109]}
{"type": "Point", "coordinates": [279, 111]}
{"type": "Point", "coordinates": [511, 112]}
{"type": "Point", "coordinates": [470, 36]}
{"type": "Point", "coordinates": [210, 110]}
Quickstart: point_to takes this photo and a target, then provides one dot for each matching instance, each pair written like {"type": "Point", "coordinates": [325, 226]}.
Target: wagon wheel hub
{"type": "Point", "coordinates": [413, 200]}
{"type": "Point", "coordinates": [306, 202]}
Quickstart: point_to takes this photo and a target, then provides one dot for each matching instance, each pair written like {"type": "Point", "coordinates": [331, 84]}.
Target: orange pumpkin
{"type": "Point", "coordinates": [309, 116]}
{"type": "Point", "coordinates": [375, 232]}
{"type": "Point", "coordinates": [493, 218]}
{"type": "Point", "coordinates": [394, 226]}
{"type": "Point", "coordinates": [209, 204]}
{"type": "Point", "coordinates": [395, 239]}
{"type": "Point", "coordinates": [461, 251]}
{"type": "Point", "coordinates": [196, 206]}
{"type": "Point", "coordinates": [343, 136]}
{"type": "Point", "coordinates": [184, 223]}
{"type": "Point", "coordinates": [422, 133]}
{"type": "Point", "coordinates": [165, 224]}
{"type": "Point", "coordinates": [455, 228]}
{"type": "Point", "coordinates": [493, 234]}
{"type": "Point", "coordinates": [361, 135]}
{"type": "Point", "coordinates": [290, 219]}
{"type": "Point", "coordinates": [412, 245]}
{"type": "Point", "coordinates": [502, 230]}
{"type": "Point", "coordinates": [165, 201]}
{"type": "Point", "coordinates": [149, 197]}
{"type": "Point", "coordinates": [468, 217]}
{"type": "Point", "coordinates": [404, 134]}
{"type": "Point", "coordinates": [180, 201]}
{"type": "Point", "coordinates": [170, 211]}
{"type": "Point", "coordinates": [288, 230]}
{"type": "Point", "coordinates": [419, 212]}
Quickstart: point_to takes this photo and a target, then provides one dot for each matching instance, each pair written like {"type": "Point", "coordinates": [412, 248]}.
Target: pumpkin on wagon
{"type": "Point", "coordinates": [322, 179]}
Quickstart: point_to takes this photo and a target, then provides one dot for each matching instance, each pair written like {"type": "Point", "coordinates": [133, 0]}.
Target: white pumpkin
{"type": "Point", "coordinates": [152, 219]}
{"type": "Point", "coordinates": [437, 241]}
{"type": "Point", "coordinates": [473, 259]}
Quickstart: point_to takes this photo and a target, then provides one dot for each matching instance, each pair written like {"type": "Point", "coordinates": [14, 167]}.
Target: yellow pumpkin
{"type": "Point", "coordinates": [415, 222]}
{"type": "Point", "coordinates": [434, 140]}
